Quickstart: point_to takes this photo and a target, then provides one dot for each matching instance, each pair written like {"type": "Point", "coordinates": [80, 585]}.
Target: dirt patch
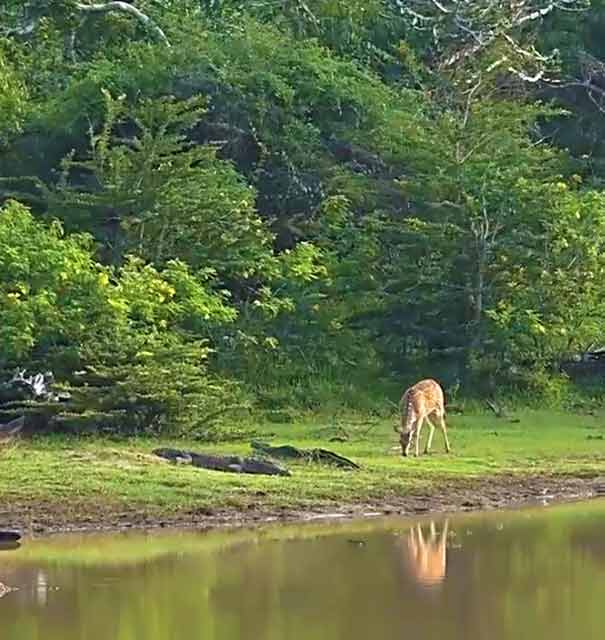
{"type": "Point", "coordinates": [40, 517]}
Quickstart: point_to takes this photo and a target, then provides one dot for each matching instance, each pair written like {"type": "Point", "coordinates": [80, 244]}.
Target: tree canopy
{"type": "Point", "coordinates": [300, 199]}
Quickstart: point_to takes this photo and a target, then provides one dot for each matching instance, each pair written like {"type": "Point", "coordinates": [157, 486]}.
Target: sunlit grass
{"type": "Point", "coordinates": [74, 472]}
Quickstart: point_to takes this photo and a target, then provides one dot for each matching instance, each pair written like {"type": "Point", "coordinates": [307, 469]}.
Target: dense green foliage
{"type": "Point", "coordinates": [213, 202]}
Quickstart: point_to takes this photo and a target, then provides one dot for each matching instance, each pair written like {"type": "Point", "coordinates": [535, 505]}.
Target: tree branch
{"type": "Point", "coordinates": [29, 27]}
{"type": "Point", "coordinates": [124, 7]}
{"type": "Point", "coordinates": [525, 77]}
{"type": "Point", "coordinates": [23, 30]}
{"type": "Point", "coordinates": [591, 90]}
{"type": "Point", "coordinates": [440, 7]}
{"type": "Point", "coordinates": [536, 14]}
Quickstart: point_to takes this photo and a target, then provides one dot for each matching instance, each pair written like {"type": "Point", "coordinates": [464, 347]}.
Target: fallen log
{"type": "Point", "coordinates": [233, 464]}
{"type": "Point", "coordinates": [322, 456]}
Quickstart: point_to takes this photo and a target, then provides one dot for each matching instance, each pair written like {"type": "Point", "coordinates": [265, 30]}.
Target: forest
{"type": "Point", "coordinates": [213, 206]}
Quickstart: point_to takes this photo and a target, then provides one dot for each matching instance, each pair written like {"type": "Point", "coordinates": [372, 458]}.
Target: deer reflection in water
{"type": "Point", "coordinates": [426, 557]}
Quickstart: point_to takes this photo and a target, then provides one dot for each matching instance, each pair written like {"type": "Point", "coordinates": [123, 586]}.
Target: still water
{"type": "Point", "coordinates": [535, 574]}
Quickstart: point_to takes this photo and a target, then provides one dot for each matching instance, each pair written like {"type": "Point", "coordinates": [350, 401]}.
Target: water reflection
{"type": "Point", "coordinates": [425, 554]}
{"type": "Point", "coordinates": [536, 574]}
{"type": "Point", "coordinates": [6, 546]}
{"type": "Point", "coordinates": [42, 588]}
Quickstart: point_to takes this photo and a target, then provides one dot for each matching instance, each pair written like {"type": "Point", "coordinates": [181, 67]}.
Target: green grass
{"type": "Point", "coordinates": [67, 471]}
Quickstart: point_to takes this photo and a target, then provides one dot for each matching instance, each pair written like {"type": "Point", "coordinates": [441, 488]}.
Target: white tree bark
{"type": "Point", "coordinates": [124, 7]}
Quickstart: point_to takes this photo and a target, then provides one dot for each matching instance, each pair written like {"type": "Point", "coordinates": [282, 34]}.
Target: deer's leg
{"type": "Point", "coordinates": [444, 429]}
{"type": "Point", "coordinates": [429, 440]}
{"type": "Point", "coordinates": [410, 442]}
{"type": "Point", "coordinates": [406, 445]}
{"type": "Point", "coordinates": [418, 432]}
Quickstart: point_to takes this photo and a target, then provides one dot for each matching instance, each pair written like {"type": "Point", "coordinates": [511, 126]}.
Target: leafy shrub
{"type": "Point", "coordinates": [126, 329]}
{"type": "Point", "coordinates": [154, 384]}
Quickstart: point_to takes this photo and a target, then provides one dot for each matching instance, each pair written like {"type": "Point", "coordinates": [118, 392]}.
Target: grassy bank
{"type": "Point", "coordinates": [52, 482]}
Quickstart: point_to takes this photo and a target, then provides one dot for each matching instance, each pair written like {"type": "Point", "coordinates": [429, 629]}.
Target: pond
{"type": "Point", "coordinates": [533, 573]}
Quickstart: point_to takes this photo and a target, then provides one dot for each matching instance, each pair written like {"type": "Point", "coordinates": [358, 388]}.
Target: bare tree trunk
{"type": "Point", "coordinates": [484, 233]}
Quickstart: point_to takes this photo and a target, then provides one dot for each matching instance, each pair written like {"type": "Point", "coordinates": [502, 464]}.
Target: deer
{"type": "Point", "coordinates": [419, 403]}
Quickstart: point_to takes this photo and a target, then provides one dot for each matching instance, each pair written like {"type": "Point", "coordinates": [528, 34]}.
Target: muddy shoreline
{"type": "Point", "coordinates": [38, 517]}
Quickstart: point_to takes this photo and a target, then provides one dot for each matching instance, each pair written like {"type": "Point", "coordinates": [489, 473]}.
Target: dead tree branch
{"type": "Point", "coordinates": [463, 30]}
{"type": "Point", "coordinates": [125, 7]}
{"type": "Point", "coordinates": [85, 10]}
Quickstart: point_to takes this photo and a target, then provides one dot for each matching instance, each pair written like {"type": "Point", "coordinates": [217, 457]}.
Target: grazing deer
{"type": "Point", "coordinates": [417, 404]}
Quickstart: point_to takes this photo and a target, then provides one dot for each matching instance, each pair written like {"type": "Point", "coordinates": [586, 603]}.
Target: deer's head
{"type": "Point", "coordinates": [405, 437]}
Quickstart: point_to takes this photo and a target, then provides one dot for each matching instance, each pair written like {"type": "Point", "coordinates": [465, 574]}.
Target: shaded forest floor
{"type": "Point", "coordinates": [52, 484]}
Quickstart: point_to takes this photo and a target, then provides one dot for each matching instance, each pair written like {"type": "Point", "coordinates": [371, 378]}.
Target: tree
{"type": "Point", "coordinates": [153, 193]}
{"type": "Point", "coordinates": [303, 192]}
{"type": "Point", "coordinates": [553, 305]}
{"type": "Point", "coordinates": [125, 340]}
{"type": "Point", "coordinates": [12, 100]}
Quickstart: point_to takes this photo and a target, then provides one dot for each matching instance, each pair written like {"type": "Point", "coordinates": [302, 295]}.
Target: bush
{"type": "Point", "coordinates": [152, 384]}
{"type": "Point", "coordinates": [125, 331]}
